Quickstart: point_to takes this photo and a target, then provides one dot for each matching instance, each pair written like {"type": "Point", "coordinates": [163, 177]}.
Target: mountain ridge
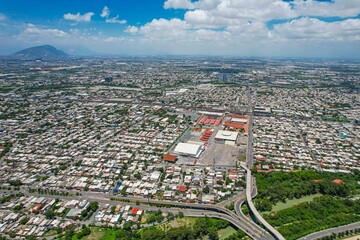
{"type": "Point", "coordinates": [44, 52]}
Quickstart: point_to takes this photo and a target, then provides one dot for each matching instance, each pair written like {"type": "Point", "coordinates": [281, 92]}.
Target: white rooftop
{"type": "Point", "coordinates": [187, 148]}
{"type": "Point", "coordinates": [226, 135]}
{"type": "Point", "coordinates": [241, 120]}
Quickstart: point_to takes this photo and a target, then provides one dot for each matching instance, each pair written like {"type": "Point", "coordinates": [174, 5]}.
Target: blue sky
{"type": "Point", "coordinates": [134, 11]}
{"type": "Point", "coordinates": [297, 28]}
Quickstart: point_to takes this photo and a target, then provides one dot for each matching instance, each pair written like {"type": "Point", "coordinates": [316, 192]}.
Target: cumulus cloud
{"type": "Point", "coordinates": [78, 17]}
{"type": "Point", "coordinates": [316, 30]}
{"type": "Point", "coordinates": [234, 12]}
{"type": "Point", "coordinates": [246, 21]}
{"type": "Point", "coordinates": [337, 8]}
{"type": "Point", "coordinates": [179, 4]}
{"type": "Point", "coordinates": [132, 29]}
{"type": "Point", "coordinates": [164, 29]}
{"type": "Point", "coordinates": [105, 12]}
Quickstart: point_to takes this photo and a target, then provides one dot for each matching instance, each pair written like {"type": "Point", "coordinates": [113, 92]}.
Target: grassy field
{"type": "Point", "coordinates": [178, 222]}
{"type": "Point", "coordinates": [226, 232]}
{"type": "Point", "coordinates": [289, 203]}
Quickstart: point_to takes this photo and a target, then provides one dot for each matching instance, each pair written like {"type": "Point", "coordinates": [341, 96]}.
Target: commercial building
{"type": "Point", "coordinates": [226, 137]}
{"type": "Point", "coordinates": [188, 149]}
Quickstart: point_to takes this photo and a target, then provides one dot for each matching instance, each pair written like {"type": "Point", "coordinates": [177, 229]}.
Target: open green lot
{"type": "Point", "coordinates": [99, 234]}
{"type": "Point", "coordinates": [226, 232]}
{"type": "Point", "coordinates": [289, 203]}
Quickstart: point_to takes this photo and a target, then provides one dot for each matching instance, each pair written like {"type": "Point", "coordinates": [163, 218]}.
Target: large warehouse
{"type": "Point", "coordinates": [188, 149]}
{"type": "Point", "coordinates": [226, 137]}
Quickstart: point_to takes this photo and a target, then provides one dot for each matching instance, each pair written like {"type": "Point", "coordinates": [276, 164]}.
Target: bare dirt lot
{"type": "Point", "coordinates": [224, 155]}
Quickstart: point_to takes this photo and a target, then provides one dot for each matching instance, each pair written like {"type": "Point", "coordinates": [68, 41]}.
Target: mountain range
{"type": "Point", "coordinates": [44, 52]}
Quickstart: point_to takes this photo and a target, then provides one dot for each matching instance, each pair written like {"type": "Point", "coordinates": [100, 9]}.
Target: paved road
{"type": "Point", "coordinates": [189, 209]}
{"type": "Point", "coordinates": [230, 199]}
{"type": "Point", "coordinates": [330, 231]}
{"type": "Point", "coordinates": [249, 178]}
{"type": "Point", "coordinates": [252, 208]}
{"type": "Point", "coordinates": [242, 223]}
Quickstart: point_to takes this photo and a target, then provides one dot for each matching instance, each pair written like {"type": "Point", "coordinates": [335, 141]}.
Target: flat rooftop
{"type": "Point", "coordinates": [226, 135]}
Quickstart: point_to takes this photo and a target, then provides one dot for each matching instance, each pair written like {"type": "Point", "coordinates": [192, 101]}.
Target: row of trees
{"type": "Point", "coordinates": [341, 235]}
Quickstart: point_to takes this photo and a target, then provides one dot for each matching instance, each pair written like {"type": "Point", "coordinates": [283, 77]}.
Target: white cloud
{"type": "Point", "coordinates": [179, 4]}
{"type": "Point", "coordinates": [115, 20]}
{"type": "Point", "coordinates": [164, 29]}
{"type": "Point", "coordinates": [32, 30]}
{"type": "Point", "coordinates": [337, 8]}
{"type": "Point", "coordinates": [316, 30]}
{"type": "Point", "coordinates": [132, 29]}
{"type": "Point", "coordinates": [105, 12]}
{"type": "Point", "coordinates": [216, 13]}
{"type": "Point", "coordinates": [78, 17]}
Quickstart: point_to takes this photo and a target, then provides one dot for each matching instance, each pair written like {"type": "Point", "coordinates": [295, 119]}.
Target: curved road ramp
{"type": "Point", "coordinates": [257, 215]}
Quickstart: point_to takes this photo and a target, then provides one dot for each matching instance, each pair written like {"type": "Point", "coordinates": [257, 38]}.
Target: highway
{"type": "Point", "coordinates": [253, 210]}
{"type": "Point", "coordinates": [189, 209]}
{"type": "Point", "coordinates": [249, 179]}
{"type": "Point", "coordinates": [240, 222]}
{"type": "Point", "coordinates": [328, 232]}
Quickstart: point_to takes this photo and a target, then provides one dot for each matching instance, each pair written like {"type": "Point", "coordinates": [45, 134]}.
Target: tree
{"type": "Point", "coordinates": [50, 214]}
{"type": "Point", "coordinates": [206, 190]}
{"type": "Point", "coordinates": [84, 232]}
{"type": "Point", "coordinates": [93, 206]}
{"type": "Point", "coordinates": [213, 234]}
{"type": "Point", "coordinates": [137, 175]}
{"type": "Point", "coordinates": [24, 220]}
{"type": "Point", "coordinates": [30, 237]}
{"type": "Point", "coordinates": [17, 208]}
{"type": "Point", "coordinates": [182, 233]}
{"type": "Point", "coordinates": [153, 233]}
{"type": "Point", "coordinates": [69, 233]}
{"type": "Point", "coordinates": [228, 181]}
{"type": "Point", "coordinates": [112, 210]}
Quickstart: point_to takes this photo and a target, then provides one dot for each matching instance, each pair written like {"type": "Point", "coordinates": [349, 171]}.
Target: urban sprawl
{"type": "Point", "coordinates": [100, 141]}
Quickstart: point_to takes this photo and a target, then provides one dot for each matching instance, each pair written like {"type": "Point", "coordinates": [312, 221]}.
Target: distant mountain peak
{"type": "Point", "coordinates": [43, 52]}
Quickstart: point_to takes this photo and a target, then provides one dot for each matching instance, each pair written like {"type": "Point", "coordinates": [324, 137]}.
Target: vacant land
{"type": "Point", "coordinates": [226, 232]}
{"type": "Point", "coordinates": [178, 222]}
{"type": "Point", "coordinates": [289, 203]}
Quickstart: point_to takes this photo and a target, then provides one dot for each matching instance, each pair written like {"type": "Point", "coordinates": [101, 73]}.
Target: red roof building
{"type": "Point", "coordinates": [134, 211]}
{"type": "Point", "coordinates": [182, 189]}
{"type": "Point", "coordinates": [170, 158]}
{"type": "Point", "coordinates": [234, 125]}
{"type": "Point", "coordinates": [338, 181]}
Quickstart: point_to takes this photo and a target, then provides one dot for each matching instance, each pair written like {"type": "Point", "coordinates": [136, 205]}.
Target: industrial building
{"type": "Point", "coordinates": [188, 149]}
{"type": "Point", "coordinates": [226, 137]}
